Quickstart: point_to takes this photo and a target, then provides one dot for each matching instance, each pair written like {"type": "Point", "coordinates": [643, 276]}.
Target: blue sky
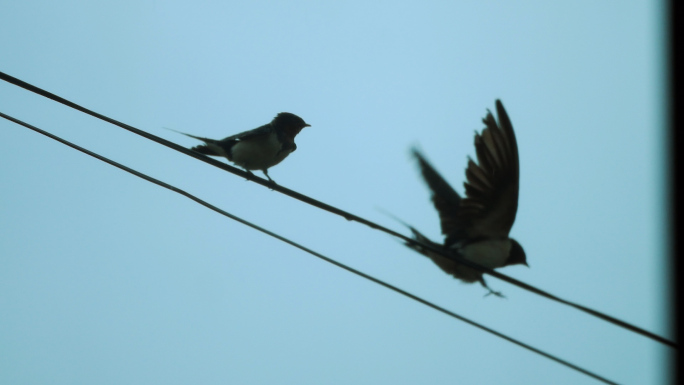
{"type": "Point", "coordinates": [105, 278]}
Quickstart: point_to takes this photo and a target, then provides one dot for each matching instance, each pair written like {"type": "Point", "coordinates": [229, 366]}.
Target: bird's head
{"type": "Point", "coordinates": [516, 255]}
{"type": "Point", "coordinates": [289, 123]}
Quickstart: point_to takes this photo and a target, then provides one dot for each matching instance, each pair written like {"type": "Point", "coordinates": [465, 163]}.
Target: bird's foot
{"type": "Point", "coordinates": [490, 291]}
{"type": "Point", "coordinates": [496, 293]}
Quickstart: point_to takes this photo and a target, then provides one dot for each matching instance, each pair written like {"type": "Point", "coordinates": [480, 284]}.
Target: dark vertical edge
{"type": "Point", "coordinates": [672, 63]}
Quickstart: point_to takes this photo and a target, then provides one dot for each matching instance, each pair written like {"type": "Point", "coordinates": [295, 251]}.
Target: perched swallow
{"type": "Point", "coordinates": [257, 149]}
{"type": "Point", "coordinates": [476, 227]}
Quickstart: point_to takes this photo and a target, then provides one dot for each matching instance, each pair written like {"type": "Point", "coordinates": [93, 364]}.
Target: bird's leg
{"type": "Point", "coordinates": [265, 171]}
{"type": "Point", "coordinates": [490, 291]}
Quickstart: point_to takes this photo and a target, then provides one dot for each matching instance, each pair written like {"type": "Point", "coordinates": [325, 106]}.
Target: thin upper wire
{"type": "Point", "coordinates": [334, 210]}
{"type": "Point", "coordinates": [316, 254]}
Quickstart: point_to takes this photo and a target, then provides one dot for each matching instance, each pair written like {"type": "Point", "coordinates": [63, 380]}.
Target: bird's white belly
{"type": "Point", "coordinates": [490, 253]}
{"type": "Point", "coordinates": [258, 154]}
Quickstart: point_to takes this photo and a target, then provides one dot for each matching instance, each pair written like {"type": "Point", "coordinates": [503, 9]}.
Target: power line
{"type": "Point", "coordinates": [303, 248]}
{"type": "Point", "coordinates": [334, 210]}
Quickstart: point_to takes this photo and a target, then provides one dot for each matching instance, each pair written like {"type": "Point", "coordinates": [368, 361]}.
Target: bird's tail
{"type": "Point", "coordinates": [192, 136]}
{"type": "Point", "coordinates": [422, 240]}
{"type": "Point", "coordinates": [418, 237]}
{"type": "Point", "coordinates": [209, 148]}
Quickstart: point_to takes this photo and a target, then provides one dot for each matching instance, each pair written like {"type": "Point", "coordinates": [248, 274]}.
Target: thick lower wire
{"type": "Point", "coordinates": [335, 210]}
{"type": "Point", "coordinates": [292, 243]}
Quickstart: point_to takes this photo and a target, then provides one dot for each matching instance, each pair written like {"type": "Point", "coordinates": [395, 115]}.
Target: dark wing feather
{"type": "Point", "coordinates": [259, 131]}
{"type": "Point", "coordinates": [491, 201]}
{"type": "Point", "coordinates": [445, 198]}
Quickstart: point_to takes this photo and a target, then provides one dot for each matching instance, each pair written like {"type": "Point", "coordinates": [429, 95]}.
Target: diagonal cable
{"type": "Point", "coordinates": [321, 256]}
{"type": "Point", "coordinates": [335, 210]}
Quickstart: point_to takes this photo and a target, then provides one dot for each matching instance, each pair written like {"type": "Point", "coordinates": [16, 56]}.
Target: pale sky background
{"type": "Point", "coordinates": [108, 279]}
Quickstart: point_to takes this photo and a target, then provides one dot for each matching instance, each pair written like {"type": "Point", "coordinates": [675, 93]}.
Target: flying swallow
{"type": "Point", "coordinates": [257, 149]}
{"type": "Point", "coordinates": [476, 227]}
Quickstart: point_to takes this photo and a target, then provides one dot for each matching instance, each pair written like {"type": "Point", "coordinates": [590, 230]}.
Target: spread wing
{"type": "Point", "coordinates": [492, 184]}
{"type": "Point", "coordinates": [444, 197]}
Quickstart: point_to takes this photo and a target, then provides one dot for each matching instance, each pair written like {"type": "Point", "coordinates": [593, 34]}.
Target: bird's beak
{"type": "Point", "coordinates": [307, 125]}
{"type": "Point", "coordinates": [526, 264]}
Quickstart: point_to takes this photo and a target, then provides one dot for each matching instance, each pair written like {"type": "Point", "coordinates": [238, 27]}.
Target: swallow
{"type": "Point", "coordinates": [257, 149]}
{"type": "Point", "coordinates": [476, 226]}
